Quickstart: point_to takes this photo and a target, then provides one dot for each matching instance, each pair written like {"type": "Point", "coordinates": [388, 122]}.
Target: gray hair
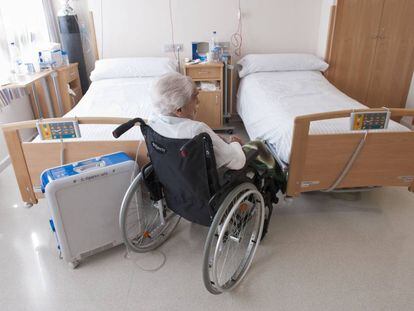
{"type": "Point", "coordinates": [171, 92]}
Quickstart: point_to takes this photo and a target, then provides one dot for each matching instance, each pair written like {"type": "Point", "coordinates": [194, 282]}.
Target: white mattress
{"type": "Point", "coordinates": [125, 97]}
{"type": "Point", "coordinates": [268, 103]}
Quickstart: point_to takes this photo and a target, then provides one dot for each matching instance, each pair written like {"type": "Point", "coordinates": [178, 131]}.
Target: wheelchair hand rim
{"type": "Point", "coordinates": [250, 252]}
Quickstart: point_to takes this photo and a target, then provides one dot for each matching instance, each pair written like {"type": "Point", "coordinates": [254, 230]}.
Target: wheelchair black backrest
{"type": "Point", "coordinates": [186, 169]}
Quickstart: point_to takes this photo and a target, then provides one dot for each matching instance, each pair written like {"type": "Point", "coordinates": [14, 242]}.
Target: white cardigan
{"type": "Point", "coordinates": [229, 155]}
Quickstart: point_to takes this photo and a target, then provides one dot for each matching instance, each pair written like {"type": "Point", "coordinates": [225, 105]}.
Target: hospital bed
{"type": "Point", "coordinates": [120, 90]}
{"type": "Point", "coordinates": [305, 121]}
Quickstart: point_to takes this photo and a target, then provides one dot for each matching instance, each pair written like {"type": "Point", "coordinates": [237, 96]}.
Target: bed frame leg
{"type": "Point", "coordinates": [14, 145]}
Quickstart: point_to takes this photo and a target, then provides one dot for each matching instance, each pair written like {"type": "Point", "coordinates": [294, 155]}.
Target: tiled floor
{"type": "Point", "coordinates": [323, 252]}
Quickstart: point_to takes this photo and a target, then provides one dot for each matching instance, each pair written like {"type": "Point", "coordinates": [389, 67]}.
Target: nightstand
{"type": "Point", "coordinates": [210, 110]}
{"type": "Point", "coordinates": [69, 75]}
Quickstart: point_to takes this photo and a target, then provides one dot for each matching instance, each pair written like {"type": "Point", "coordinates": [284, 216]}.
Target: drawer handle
{"type": "Point", "coordinates": [203, 72]}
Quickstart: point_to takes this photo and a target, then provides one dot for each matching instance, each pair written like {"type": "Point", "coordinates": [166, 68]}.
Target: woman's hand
{"type": "Point", "coordinates": [236, 139]}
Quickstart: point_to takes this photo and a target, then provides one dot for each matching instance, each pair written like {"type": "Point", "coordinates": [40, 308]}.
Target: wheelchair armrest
{"type": "Point", "coordinates": [251, 155]}
{"type": "Point", "coordinates": [147, 170]}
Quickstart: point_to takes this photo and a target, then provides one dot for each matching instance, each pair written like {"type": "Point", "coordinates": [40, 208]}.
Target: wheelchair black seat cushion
{"type": "Point", "coordinates": [186, 169]}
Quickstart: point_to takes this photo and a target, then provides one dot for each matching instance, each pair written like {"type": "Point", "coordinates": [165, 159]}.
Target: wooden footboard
{"type": "Point", "coordinates": [30, 159]}
{"type": "Point", "coordinates": [317, 161]}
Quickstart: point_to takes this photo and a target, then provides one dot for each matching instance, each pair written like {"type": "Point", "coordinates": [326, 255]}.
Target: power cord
{"type": "Point", "coordinates": [150, 254]}
{"type": "Point", "coordinates": [348, 166]}
{"type": "Point", "coordinates": [128, 254]}
{"type": "Point", "coordinates": [136, 167]}
{"type": "Point", "coordinates": [236, 38]}
{"type": "Point", "coordinates": [172, 30]}
{"type": "Point", "coordinates": [62, 152]}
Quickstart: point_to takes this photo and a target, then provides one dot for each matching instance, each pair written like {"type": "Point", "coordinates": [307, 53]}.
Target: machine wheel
{"type": "Point", "coordinates": [145, 224]}
{"type": "Point", "coordinates": [233, 238]}
{"type": "Point", "coordinates": [28, 205]}
{"type": "Point", "coordinates": [74, 264]}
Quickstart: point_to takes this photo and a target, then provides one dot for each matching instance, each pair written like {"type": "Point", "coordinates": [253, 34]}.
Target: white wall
{"type": "Point", "coordinates": [141, 27]}
{"type": "Point", "coordinates": [324, 26]}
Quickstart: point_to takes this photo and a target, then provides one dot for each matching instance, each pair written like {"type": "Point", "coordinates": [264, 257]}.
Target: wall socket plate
{"type": "Point", "coordinates": [173, 47]}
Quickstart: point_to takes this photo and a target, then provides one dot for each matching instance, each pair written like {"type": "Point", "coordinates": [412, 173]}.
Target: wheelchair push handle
{"type": "Point", "coordinates": [120, 130]}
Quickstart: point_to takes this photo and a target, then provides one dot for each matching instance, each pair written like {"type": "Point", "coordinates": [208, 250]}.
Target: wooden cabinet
{"type": "Point", "coordinates": [372, 51]}
{"type": "Point", "coordinates": [49, 93]}
{"type": "Point", "coordinates": [69, 76]}
{"type": "Point", "coordinates": [210, 110]}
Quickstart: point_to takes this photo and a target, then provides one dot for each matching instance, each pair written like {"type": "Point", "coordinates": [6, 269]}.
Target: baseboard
{"type": "Point", "coordinates": [4, 163]}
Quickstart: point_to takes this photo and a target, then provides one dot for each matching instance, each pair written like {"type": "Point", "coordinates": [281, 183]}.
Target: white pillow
{"type": "Point", "coordinates": [280, 62]}
{"type": "Point", "coordinates": [132, 67]}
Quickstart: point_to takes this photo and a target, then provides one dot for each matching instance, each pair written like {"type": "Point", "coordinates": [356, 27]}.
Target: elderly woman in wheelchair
{"type": "Point", "coordinates": [193, 173]}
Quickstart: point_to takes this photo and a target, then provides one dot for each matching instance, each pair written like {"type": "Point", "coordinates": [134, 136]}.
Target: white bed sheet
{"type": "Point", "coordinates": [268, 103]}
{"type": "Point", "coordinates": [124, 97]}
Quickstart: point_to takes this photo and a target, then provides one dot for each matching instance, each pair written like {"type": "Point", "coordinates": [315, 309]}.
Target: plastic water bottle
{"type": "Point", "coordinates": [42, 64]}
{"type": "Point", "coordinates": [15, 58]}
{"type": "Point", "coordinates": [65, 58]}
{"type": "Point", "coordinates": [213, 41]}
{"type": "Point", "coordinates": [214, 48]}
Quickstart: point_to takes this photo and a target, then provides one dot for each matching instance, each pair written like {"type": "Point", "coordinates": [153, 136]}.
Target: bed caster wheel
{"type": "Point", "coordinates": [229, 132]}
{"type": "Point", "coordinates": [28, 204]}
{"type": "Point", "coordinates": [74, 264]}
{"type": "Point", "coordinates": [226, 120]}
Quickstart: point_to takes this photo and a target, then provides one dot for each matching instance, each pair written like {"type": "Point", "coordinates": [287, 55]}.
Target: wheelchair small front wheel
{"type": "Point", "coordinates": [145, 224]}
{"type": "Point", "coordinates": [233, 238]}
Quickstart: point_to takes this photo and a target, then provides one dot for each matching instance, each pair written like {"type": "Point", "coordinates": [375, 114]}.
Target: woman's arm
{"type": "Point", "coordinates": [230, 155]}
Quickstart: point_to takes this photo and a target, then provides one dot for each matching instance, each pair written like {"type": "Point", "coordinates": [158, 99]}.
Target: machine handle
{"type": "Point", "coordinates": [120, 130]}
{"type": "Point", "coordinates": [89, 167]}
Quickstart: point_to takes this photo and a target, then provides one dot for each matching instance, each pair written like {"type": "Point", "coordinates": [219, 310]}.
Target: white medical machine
{"type": "Point", "coordinates": [84, 199]}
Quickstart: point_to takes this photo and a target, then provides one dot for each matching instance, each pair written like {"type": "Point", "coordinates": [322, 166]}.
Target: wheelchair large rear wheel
{"type": "Point", "coordinates": [145, 224]}
{"type": "Point", "coordinates": [233, 238]}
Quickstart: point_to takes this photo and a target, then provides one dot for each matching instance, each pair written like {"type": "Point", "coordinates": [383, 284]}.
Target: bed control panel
{"type": "Point", "coordinates": [58, 130]}
{"type": "Point", "coordinates": [375, 120]}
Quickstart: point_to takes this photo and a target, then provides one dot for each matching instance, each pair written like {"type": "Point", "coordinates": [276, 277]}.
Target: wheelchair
{"type": "Point", "coordinates": [181, 180]}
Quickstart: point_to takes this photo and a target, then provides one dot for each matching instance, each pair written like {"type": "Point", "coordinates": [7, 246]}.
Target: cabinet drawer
{"type": "Point", "coordinates": [204, 73]}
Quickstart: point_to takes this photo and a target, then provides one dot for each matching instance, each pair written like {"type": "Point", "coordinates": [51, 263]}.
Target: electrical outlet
{"type": "Point", "coordinates": [173, 47]}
